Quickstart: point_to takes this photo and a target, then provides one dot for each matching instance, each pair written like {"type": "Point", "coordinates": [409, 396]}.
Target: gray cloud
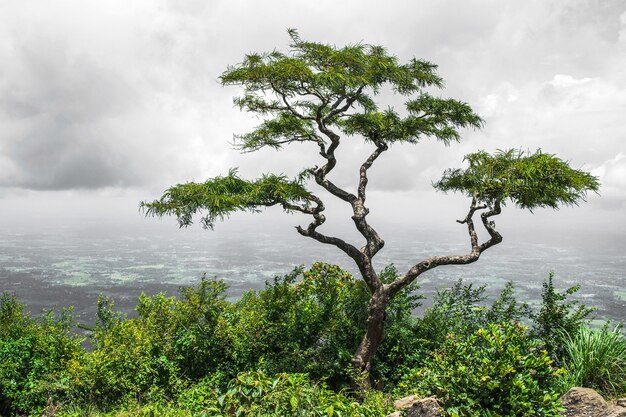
{"type": "Point", "coordinates": [95, 95]}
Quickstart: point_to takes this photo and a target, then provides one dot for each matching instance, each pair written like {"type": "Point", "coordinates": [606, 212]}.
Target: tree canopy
{"type": "Point", "coordinates": [529, 180]}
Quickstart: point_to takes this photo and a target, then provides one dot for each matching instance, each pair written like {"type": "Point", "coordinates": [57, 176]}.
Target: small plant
{"type": "Point", "coordinates": [257, 394]}
{"type": "Point", "coordinates": [497, 371]}
{"type": "Point", "coordinates": [558, 317]}
{"type": "Point", "coordinates": [462, 310]}
{"type": "Point", "coordinates": [596, 359]}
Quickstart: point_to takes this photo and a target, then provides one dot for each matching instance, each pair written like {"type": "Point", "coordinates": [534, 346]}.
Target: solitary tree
{"type": "Point", "coordinates": [323, 94]}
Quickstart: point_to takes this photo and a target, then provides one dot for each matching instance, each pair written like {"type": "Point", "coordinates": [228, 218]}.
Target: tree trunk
{"type": "Point", "coordinates": [364, 355]}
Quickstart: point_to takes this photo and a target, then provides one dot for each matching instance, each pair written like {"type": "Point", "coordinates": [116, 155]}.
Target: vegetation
{"type": "Point", "coordinates": [596, 359]}
{"type": "Point", "coordinates": [496, 371]}
{"type": "Point", "coordinates": [323, 96]}
{"type": "Point", "coordinates": [286, 351]}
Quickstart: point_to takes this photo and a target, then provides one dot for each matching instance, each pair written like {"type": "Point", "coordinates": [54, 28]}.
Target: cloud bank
{"type": "Point", "coordinates": [100, 95]}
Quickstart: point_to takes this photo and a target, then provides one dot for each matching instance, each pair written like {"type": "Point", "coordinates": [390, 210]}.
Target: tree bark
{"type": "Point", "coordinates": [374, 335]}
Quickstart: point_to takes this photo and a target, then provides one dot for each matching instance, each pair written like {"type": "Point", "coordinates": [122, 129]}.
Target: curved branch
{"type": "Point", "coordinates": [374, 241]}
{"type": "Point", "coordinates": [288, 106]}
{"type": "Point", "coordinates": [318, 220]}
{"type": "Point", "coordinates": [336, 110]}
{"type": "Point", "coordinates": [434, 261]}
{"type": "Point", "coordinates": [329, 154]}
{"type": "Point", "coordinates": [380, 148]}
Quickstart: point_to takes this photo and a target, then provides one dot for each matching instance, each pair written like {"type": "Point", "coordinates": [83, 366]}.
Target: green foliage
{"type": "Point", "coordinates": [596, 359]}
{"type": "Point", "coordinates": [496, 371]}
{"type": "Point", "coordinates": [558, 317]}
{"type": "Point", "coordinates": [305, 96]}
{"type": "Point", "coordinates": [40, 358]}
{"type": "Point", "coordinates": [170, 341]}
{"type": "Point", "coordinates": [461, 310]}
{"type": "Point", "coordinates": [313, 325]}
{"type": "Point", "coordinates": [528, 180]}
{"type": "Point", "coordinates": [221, 196]}
{"type": "Point", "coordinates": [252, 394]}
{"type": "Point", "coordinates": [308, 321]}
{"type": "Point", "coordinates": [200, 354]}
{"type": "Point", "coordinates": [310, 325]}
{"type": "Point", "coordinates": [133, 358]}
{"type": "Point", "coordinates": [201, 342]}
{"type": "Point", "coordinates": [256, 394]}
{"type": "Point", "coordinates": [316, 83]}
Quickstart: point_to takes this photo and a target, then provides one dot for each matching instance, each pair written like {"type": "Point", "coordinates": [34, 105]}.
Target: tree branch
{"type": "Point", "coordinates": [380, 148]}
{"type": "Point", "coordinates": [335, 109]}
{"type": "Point", "coordinates": [434, 261]}
{"type": "Point", "coordinates": [374, 241]}
{"type": "Point", "coordinates": [318, 220]}
{"type": "Point", "coordinates": [329, 154]}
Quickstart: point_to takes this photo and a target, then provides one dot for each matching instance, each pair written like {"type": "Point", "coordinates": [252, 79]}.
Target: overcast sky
{"type": "Point", "coordinates": [106, 103]}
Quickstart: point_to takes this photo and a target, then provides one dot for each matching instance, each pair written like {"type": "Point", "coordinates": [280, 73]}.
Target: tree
{"type": "Point", "coordinates": [323, 94]}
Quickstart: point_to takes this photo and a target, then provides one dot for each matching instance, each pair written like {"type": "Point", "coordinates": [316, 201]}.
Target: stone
{"type": "Point", "coordinates": [413, 406]}
{"type": "Point", "coordinates": [405, 402]}
{"type": "Point", "coordinates": [621, 402]}
{"type": "Point", "coordinates": [427, 407]}
{"type": "Point", "coordinates": [614, 411]}
{"type": "Point", "coordinates": [583, 402]}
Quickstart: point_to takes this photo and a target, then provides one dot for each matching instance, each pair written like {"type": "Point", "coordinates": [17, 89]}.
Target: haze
{"type": "Point", "coordinates": [105, 104]}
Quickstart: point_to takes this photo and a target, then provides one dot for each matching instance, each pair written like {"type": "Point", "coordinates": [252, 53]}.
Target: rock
{"type": "Point", "coordinates": [427, 407]}
{"type": "Point", "coordinates": [614, 411]}
{"type": "Point", "coordinates": [621, 402]}
{"type": "Point", "coordinates": [583, 402]}
{"type": "Point", "coordinates": [416, 407]}
{"type": "Point", "coordinates": [405, 402]}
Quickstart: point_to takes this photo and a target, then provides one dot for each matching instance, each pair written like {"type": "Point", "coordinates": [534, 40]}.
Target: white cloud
{"type": "Point", "coordinates": [564, 81]}
{"type": "Point", "coordinates": [622, 32]}
{"type": "Point", "coordinates": [612, 174]}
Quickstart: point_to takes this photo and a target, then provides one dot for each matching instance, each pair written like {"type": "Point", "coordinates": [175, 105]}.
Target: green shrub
{"type": "Point", "coordinates": [256, 394]}
{"type": "Point", "coordinates": [596, 359]}
{"type": "Point", "coordinates": [170, 343]}
{"type": "Point", "coordinates": [131, 361]}
{"type": "Point", "coordinates": [497, 371]}
{"type": "Point", "coordinates": [250, 394]}
{"type": "Point", "coordinates": [40, 358]}
{"type": "Point", "coordinates": [202, 342]}
{"type": "Point", "coordinates": [309, 325]}
{"type": "Point", "coordinates": [462, 310]}
{"type": "Point", "coordinates": [311, 321]}
{"type": "Point", "coordinates": [558, 317]}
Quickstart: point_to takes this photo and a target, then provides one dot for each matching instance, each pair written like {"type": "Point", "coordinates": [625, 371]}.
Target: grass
{"type": "Point", "coordinates": [597, 359]}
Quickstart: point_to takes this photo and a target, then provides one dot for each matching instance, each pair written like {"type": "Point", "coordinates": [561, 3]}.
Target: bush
{"type": "Point", "coordinates": [558, 317]}
{"type": "Point", "coordinates": [310, 325]}
{"type": "Point", "coordinates": [497, 371]}
{"type": "Point", "coordinates": [596, 359]}
{"type": "Point", "coordinates": [40, 358]}
{"type": "Point", "coordinates": [251, 394]}
{"type": "Point", "coordinates": [312, 322]}
{"type": "Point", "coordinates": [256, 394]}
{"type": "Point", "coordinates": [170, 343]}
{"type": "Point", "coordinates": [461, 310]}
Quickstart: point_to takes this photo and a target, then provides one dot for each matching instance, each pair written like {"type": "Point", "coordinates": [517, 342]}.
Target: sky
{"type": "Point", "coordinates": [104, 104]}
